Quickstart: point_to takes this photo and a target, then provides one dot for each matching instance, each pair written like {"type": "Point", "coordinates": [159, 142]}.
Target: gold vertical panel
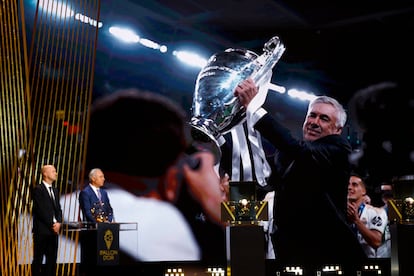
{"type": "Point", "coordinates": [14, 136]}
{"type": "Point", "coordinates": [46, 89]}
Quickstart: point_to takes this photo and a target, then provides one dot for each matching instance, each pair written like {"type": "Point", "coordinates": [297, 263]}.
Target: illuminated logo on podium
{"type": "Point", "coordinates": [108, 237]}
{"type": "Point", "coordinates": [108, 243]}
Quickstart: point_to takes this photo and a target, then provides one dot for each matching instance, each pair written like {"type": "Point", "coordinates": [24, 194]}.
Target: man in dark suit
{"type": "Point", "coordinates": [94, 201]}
{"type": "Point", "coordinates": [47, 220]}
{"type": "Point", "coordinates": [310, 179]}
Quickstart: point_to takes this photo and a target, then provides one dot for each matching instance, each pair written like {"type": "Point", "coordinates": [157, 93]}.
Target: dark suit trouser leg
{"type": "Point", "coordinates": [44, 245]}
{"type": "Point", "coordinates": [39, 249]}
{"type": "Point", "coordinates": [51, 255]}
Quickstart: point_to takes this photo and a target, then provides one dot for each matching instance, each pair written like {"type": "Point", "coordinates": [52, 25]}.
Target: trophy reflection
{"type": "Point", "coordinates": [215, 109]}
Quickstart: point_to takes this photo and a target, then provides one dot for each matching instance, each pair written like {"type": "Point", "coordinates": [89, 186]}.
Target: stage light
{"type": "Point", "coordinates": [124, 34]}
{"type": "Point", "coordinates": [174, 272]}
{"type": "Point", "coordinates": [216, 271]}
{"type": "Point", "coordinates": [294, 270]}
{"type": "Point", "coordinates": [149, 43]}
{"type": "Point", "coordinates": [56, 7]}
{"type": "Point", "coordinates": [87, 20]}
{"type": "Point", "coordinates": [190, 58]}
{"type": "Point", "coordinates": [163, 49]}
{"type": "Point", "coordinates": [301, 95]}
{"type": "Point", "coordinates": [332, 269]}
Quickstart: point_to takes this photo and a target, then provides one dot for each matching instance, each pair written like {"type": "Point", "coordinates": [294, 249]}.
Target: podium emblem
{"type": "Point", "coordinates": [108, 238]}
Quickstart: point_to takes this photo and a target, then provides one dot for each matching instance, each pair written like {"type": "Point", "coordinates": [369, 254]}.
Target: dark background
{"type": "Point", "coordinates": [332, 47]}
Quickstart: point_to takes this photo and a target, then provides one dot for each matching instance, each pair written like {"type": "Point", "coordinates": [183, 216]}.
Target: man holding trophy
{"type": "Point", "coordinates": [310, 184]}
{"type": "Point", "coordinates": [310, 176]}
{"type": "Point", "coordinates": [219, 124]}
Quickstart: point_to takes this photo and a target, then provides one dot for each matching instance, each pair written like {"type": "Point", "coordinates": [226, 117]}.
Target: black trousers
{"type": "Point", "coordinates": [44, 246]}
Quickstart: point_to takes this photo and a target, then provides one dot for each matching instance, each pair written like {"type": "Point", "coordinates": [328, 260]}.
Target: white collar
{"type": "Point", "coordinates": [47, 184]}
{"type": "Point", "coordinates": [94, 188]}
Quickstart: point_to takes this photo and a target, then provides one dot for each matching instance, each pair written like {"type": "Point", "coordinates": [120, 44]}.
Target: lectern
{"type": "Point", "coordinates": [245, 238]}
{"type": "Point", "coordinates": [401, 216]}
{"type": "Point", "coordinates": [100, 245]}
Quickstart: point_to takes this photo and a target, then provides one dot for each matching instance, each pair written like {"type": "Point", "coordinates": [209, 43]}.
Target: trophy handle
{"type": "Point", "coordinates": [272, 51]}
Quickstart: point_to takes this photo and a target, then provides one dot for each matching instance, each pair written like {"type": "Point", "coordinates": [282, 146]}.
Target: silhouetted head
{"type": "Point", "coordinates": [136, 133]}
{"type": "Point", "coordinates": [384, 113]}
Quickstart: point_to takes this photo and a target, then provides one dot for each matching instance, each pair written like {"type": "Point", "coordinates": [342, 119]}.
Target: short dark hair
{"type": "Point", "coordinates": [365, 180]}
{"type": "Point", "coordinates": [360, 176]}
{"type": "Point", "coordinates": [136, 132]}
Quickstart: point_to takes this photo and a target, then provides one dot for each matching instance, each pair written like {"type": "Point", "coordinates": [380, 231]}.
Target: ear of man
{"type": "Point", "coordinates": [172, 183]}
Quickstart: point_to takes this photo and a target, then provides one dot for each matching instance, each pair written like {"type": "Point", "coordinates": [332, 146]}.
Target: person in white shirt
{"type": "Point", "coordinates": [367, 221]}
{"type": "Point", "coordinates": [384, 250]}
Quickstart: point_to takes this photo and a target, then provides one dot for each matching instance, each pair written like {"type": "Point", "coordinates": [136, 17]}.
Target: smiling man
{"type": "Point", "coordinates": [368, 222]}
{"type": "Point", "coordinates": [310, 180]}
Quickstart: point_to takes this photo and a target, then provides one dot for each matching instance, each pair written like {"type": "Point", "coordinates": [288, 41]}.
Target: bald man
{"type": "Point", "coordinates": [47, 220]}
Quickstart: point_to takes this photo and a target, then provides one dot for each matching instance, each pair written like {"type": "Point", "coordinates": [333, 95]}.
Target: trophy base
{"type": "Point", "coordinates": [201, 141]}
{"type": "Point", "coordinates": [242, 207]}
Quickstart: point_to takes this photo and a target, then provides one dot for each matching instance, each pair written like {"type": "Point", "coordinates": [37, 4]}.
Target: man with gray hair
{"type": "Point", "coordinates": [310, 181]}
{"type": "Point", "coordinates": [94, 200]}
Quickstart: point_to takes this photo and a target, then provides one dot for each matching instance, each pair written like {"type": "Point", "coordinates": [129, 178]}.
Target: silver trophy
{"type": "Point", "coordinates": [215, 109]}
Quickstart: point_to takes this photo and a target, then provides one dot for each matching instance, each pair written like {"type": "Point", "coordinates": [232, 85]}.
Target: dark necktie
{"type": "Point", "coordinates": [52, 196]}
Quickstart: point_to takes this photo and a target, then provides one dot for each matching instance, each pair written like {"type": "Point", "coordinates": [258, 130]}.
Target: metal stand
{"type": "Point", "coordinates": [402, 244]}
{"type": "Point", "coordinates": [245, 250]}
{"type": "Point", "coordinates": [245, 238]}
{"type": "Point", "coordinates": [401, 212]}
